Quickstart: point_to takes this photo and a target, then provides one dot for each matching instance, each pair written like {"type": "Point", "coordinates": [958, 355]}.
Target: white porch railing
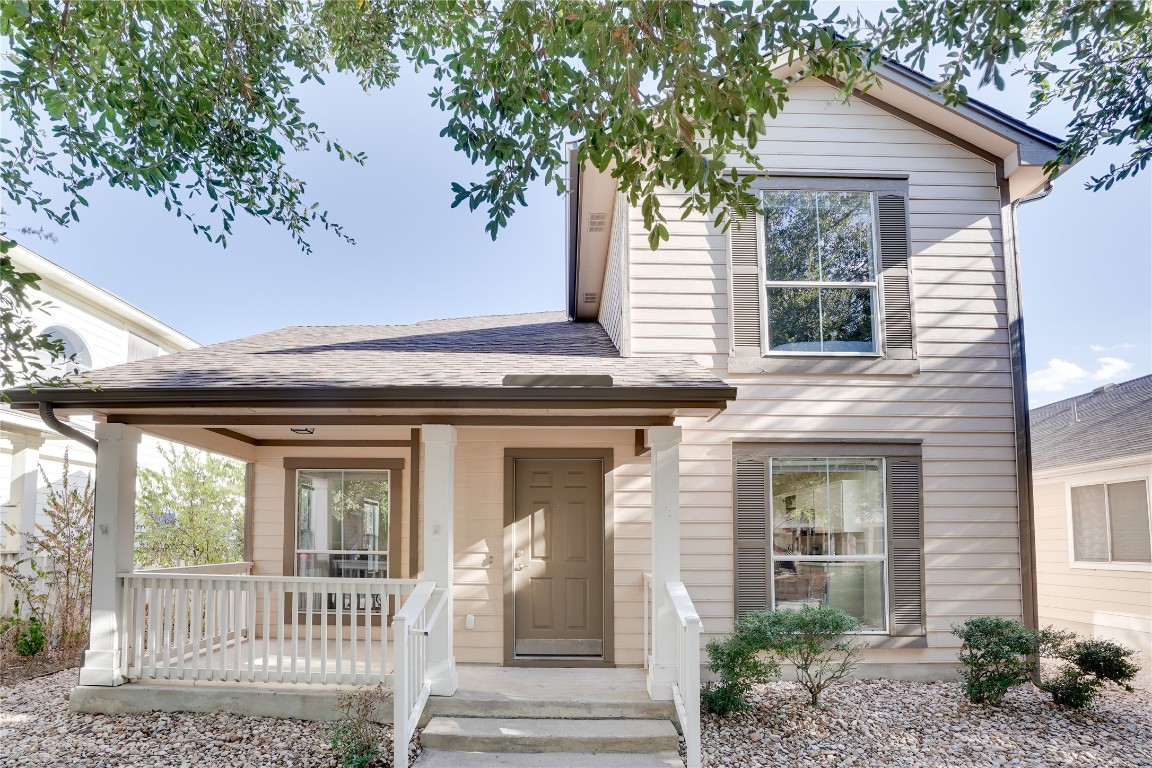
{"type": "Point", "coordinates": [686, 688]}
{"type": "Point", "coordinates": [411, 625]}
{"type": "Point", "coordinates": [240, 568]}
{"type": "Point", "coordinates": [193, 625]}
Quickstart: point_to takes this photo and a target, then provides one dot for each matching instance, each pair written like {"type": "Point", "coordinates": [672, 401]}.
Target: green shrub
{"type": "Point", "coordinates": [739, 665]}
{"type": "Point", "coordinates": [1088, 665]}
{"type": "Point", "coordinates": [996, 654]}
{"type": "Point", "coordinates": [358, 736]}
{"type": "Point", "coordinates": [816, 640]}
{"type": "Point", "coordinates": [26, 635]}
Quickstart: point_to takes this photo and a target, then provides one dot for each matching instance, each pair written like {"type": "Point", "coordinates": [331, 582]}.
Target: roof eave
{"type": "Point", "coordinates": [379, 397]}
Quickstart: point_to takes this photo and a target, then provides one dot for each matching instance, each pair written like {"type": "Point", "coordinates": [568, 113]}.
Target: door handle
{"type": "Point", "coordinates": [519, 567]}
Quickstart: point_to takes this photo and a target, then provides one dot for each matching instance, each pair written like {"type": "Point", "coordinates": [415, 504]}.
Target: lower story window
{"type": "Point", "coordinates": [342, 521]}
{"type": "Point", "coordinates": [1110, 523]}
{"type": "Point", "coordinates": [829, 533]}
{"type": "Point", "coordinates": [837, 523]}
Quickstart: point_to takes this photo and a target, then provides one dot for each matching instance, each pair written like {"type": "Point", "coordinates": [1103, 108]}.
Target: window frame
{"type": "Point", "coordinates": [892, 451]}
{"type": "Point", "coordinates": [395, 466]}
{"type": "Point", "coordinates": [885, 629]}
{"type": "Point", "coordinates": [1110, 478]}
{"type": "Point", "coordinates": [874, 286]}
{"type": "Point", "coordinates": [744, 358]}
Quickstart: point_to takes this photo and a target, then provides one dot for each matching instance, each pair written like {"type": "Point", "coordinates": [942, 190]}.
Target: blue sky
{"type": "Point", "coordinates": [1087, 257]}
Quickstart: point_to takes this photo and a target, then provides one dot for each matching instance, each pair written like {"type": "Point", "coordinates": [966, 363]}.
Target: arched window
{"type": "Point", "coordinates": [76, 354]}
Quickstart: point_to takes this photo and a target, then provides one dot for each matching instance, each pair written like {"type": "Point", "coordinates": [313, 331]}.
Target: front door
{"type": "Point", "coordinates": [558, 573]}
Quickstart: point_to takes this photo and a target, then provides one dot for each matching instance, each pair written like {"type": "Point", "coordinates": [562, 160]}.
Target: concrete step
{"type": "Point", "coordinates": [523, 735]}
{"type": "Point", "coordinates": [468, 704]}
{"type": "Point", "coordinates": [435, 758]}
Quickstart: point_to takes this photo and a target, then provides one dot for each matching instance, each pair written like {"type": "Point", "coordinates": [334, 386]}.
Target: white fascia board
{"type": "Point", "coordinates": [60, 278]}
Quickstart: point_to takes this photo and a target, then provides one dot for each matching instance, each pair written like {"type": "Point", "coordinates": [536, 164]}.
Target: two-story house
{"type": "Point", "coordinates": [823, 404]}
{"type": "Point", "coordinates": [98, 330]}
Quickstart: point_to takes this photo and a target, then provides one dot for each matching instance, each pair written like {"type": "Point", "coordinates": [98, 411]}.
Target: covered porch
{"type": "Point", "coordinates": [258, 625]}
{"type": "Point", "coordinates": [488, 491]}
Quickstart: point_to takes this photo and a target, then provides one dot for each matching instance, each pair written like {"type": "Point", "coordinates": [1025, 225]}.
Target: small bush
{"type": "Point", "coordinates": [1088, 666]}
{"type": "Point", "coordinates": [739, 665]}
{"type": "Point", "coordinates": [816, 640]}
{"type": "Point", "coordinates": [358, 736]}
{"type": "Point", "coordinates": [26, 635]}
{"type": "Point", "coordinates": [996, 655]}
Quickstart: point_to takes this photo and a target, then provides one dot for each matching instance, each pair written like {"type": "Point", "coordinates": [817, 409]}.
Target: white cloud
{"type": "Point", "coordinates": [1059, 374]}
{"type": "Point", "coordinates": [1110, 368]}
{"type": "Point", "coordinates": [1110, 347]}
{"type": "Point", "coordinates": [1056, 376]}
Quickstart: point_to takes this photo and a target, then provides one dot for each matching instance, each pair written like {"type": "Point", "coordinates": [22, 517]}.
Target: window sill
{"type": "Point", "coordinates": [1133, 567]}
{"type": "Point", "coordinates": [823, 366]}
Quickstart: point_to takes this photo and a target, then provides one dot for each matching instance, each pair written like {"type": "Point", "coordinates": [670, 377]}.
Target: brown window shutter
{"type": "Point", "coordinates": [906, 542]}
{"type": "Point", "coordinates": [747, 287]}
{"type": "Point", "coordinates": [896, 277]}
{"type": "Point", "coordinates": [752, 536]}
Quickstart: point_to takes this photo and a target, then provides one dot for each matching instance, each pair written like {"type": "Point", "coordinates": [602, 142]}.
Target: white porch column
{"type": "Point", "coordinates": [439, 557]}
{"type": "Point", "coordinates": [115, 521]}
{"type": "Point", "coordinates": [23, 494]}
{"type": "Point", "coordinates": [665, 445]}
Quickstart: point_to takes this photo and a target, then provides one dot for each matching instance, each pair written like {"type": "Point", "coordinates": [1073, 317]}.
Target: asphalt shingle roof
{"type": "Point", "coordinates": [474, 352]}
{"type": "Point", "coordinates": [1108, 423]}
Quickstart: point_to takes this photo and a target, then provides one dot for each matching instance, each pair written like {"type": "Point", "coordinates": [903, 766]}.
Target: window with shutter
{"type": "Point", "coordinates": [820, 278]}
{"type": "Point", "coordinates": [833, 524]}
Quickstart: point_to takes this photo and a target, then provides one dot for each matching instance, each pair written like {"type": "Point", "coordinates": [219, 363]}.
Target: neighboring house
{"type": "Point", "coordinates": [1092, 463]}
{"type": "Point", "coordinates": [100, 330]}
{"type": "Point", "coordinates": [823, 405]}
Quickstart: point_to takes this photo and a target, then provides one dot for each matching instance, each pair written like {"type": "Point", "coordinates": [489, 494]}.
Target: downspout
{"type": "Point", "coordinates": [48, 416]}
{"type": "Point", "coordinates": [1020, 399]}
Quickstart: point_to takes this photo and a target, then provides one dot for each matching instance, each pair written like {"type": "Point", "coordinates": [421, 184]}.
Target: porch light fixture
{"type": "Point", "coordinates": [304, 430]}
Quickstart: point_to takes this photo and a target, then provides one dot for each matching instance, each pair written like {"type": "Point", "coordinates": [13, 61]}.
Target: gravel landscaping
{"type": "Point", "coordinates": [871, 724]}
{"type": "Point", "coordinates": [889, 724]}
{"type": "Point", "coordinates": [37, 728]}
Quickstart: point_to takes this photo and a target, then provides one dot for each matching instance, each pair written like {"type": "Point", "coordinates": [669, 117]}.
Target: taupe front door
{"type": "Point", "coordinates": [558, 571]}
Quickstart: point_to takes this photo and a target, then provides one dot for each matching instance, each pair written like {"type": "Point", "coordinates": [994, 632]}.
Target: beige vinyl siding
{"type": "Point", "coordinates": [479, 532]}
{"type": "Point", "coordinates": [614, 298]}
{"type": "Point", "coordinates": [1112, 600]}
{"type": "Point", "coordinates": [960, 405]}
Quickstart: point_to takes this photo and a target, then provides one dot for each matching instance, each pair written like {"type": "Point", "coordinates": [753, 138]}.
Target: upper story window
{"type": "Point", "coordinates": [1110, 523]}
{"type": "Point", "coordinates": [820, 278]}
{"type": "Point", "coordinates": [76, 359]}
{"type": "Point", "coordinates": [820, 272]}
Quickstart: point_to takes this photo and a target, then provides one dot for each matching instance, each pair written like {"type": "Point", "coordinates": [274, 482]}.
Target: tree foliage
{"type": "Point", "coordinates": [1093, 55]}
{"type": "Point", "coordinates": [192, 512]}
{"type": "Point", "coordinates": [197, 103]}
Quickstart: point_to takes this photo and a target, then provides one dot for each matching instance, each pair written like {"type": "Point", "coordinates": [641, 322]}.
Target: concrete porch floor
{"type": "Point", "coordinates": [484, 691]}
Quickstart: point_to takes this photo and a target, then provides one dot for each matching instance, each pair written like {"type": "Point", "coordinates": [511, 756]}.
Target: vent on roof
{"type": "Point", "coordinates": [557, 380]}
{"type": "Point", "coordinates": [597, 222]}
{"type": "Point", "coordinates": [590, 297]}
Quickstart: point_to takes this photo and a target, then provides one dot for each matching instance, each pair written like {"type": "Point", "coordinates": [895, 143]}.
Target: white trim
{"type": "Point", "coordinates": [1104, 565]}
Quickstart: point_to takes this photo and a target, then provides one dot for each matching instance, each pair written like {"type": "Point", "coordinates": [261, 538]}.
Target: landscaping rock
{"type": "Point", "coordinates": [892, 724]}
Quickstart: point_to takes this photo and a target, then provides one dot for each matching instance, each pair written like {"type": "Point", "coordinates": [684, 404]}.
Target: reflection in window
{"type": "Point", "coordinates": [76, 358]}
{"type": "Point", "coordinates": [820, 271]}
{"type": "Point", "coordinates": [342, 523]}
{"type": "Point", "coordinates": [829, 536]}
